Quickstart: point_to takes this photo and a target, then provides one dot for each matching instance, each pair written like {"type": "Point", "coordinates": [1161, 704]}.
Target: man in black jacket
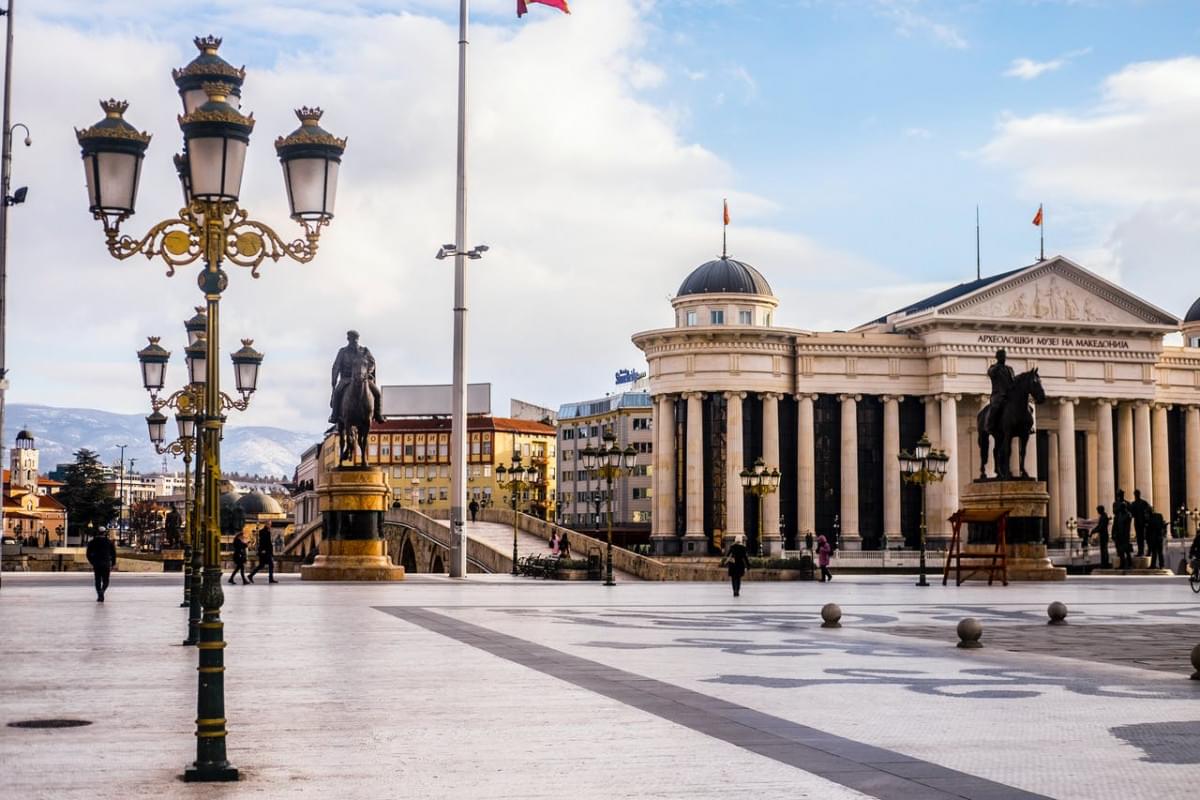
{"type": "Point", "coordinates": [1156, 529]}
{"type": "Point", "coordinates": [102, 555]}
{"type": "Point", "coordinates": [266, 555]}
{"type": "Point", "coordinates": [1140, 510]}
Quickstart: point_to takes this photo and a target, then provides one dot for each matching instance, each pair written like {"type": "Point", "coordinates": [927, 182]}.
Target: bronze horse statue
{"type": "Point", "coordinates": [354, 416]}
{"type": "Point", "coordinates": [1015, 420]}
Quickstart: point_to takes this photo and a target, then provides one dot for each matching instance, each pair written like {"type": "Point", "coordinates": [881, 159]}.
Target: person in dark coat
{"type": "Point", "coordinates": [564, 546]}
{"type": "Point", "coordinates": [266, 555]}
{"type": "Point", "coordinates": [738, 562]}
{"type": "Point", "coordinates": [473, 507]}
{"type": "Point", "coordinates": [1156, 531]}
{"type": "Point", "coordinates": [1122, 519]}
{"type": "Point", "coordinates": [239, 558]}
{"type": "Point", "coordinates": [1101, 531]}
{"type": "Point", "coordinates": [824, 550]}
{"type": "Point", "coordinates": [102, 555]}
{"type": "Point", "coordinates": [1140, 510]}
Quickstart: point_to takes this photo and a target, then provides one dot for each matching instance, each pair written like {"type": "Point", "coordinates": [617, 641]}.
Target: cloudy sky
{"type": "Point", "coordinates": [853, 139]}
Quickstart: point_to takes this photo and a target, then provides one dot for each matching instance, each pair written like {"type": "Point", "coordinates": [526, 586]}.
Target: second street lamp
{"type": "Point", "coordinates": [922, 467]}
{"type": "Point", "coordinates": [760, 482]}
{"type": "Point", "coordinates": [609, 460]}
{"type": "Point", "coordinates": [517, 479]}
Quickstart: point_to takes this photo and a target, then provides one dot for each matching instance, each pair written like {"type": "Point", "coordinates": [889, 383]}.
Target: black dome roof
{"type": "Point", "coordinates": [1193, 314]}
{"type": "Point", "coordinates": [259, 503]}
{"type": "Point", "coordinates": [724, 275]}
{"type": "Point", "coordinates": [25, 434]}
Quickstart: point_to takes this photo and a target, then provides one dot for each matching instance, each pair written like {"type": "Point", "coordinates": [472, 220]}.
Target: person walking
{"type": "Point", "coordinates": [473, 507]}
{"type": "Point", "coordinates": [239, 558]}
{"type": "Point", "coordinates": [1156, 530]}
{"type": "Point", "coordinates": [1101, 531]}
{"type": "Point", "coordinates": [554, 543]}
{"type": "Point", "coordinates": [823, 551]}
{"type": "Point", "coordinates": [564, 546]}
{"type": "Point", "coordinates": [266, 555]}
{"type": "Point", "coordinates": [102, 555]}
{"type": "Point", "coordinates": [1140, 510]}
{"type": "Point", "coordinates": [738, 562]}
{"type": "Point", "coordinates": [1122, 519]}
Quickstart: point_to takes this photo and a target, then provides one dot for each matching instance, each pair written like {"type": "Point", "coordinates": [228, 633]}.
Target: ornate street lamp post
{"type": "Point", "coordinates": [517, 479]}
{"type": "Point", "coordinates": [211, 228]}
{"type": "Point", "coordinates": [922, 467]}
{"type": "Point", "coordinates": [610, 460]}
{"type": "Point", "coordinates": [760, 482]}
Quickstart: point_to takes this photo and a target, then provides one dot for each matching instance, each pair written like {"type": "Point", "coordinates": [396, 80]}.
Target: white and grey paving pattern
{"type": "Point", "coordinates": [498, 687]}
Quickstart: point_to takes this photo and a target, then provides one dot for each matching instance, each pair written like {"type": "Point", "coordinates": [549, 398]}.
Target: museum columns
{"type": "Point", "coordinates": [950, 446]}
{"type": "Point", "coordinates": [1192, 434]}
{"type": "Point", "coordinates": [771, 544]}
{"type": "Point", "coordinates": [1160, 463]}
{"type": "Point", "coordinates": [891, 468]}
{"type": "Point", "coordinates": [1106, 479]}
{"type": "Point", "coordinates": [1143, 469]}
{"type": "Point", "coordinates": [806, 466]}
{"type": "Point", "coordinates": [1054, 516]}
{"type": "Point", "coordinates": [695, 540]}
{"type": "Point", "coordinates": [1125, 479]}
{"type": "Point", "coordinates": [849, 489]}
{"type": "Point", "coordinates": [664, 469]}
{"type": "Point", "coordinates": [1068, 504]}
{"type": "Point", "coordinates": [735, 501]}
{"type": "Point", "coordinates": [936, 526]}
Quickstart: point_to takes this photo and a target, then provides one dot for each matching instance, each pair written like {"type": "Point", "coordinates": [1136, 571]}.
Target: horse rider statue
{"type": "Point", "coordinates": [1002, 377]}
{"type": "Point", "coordinates": [344, 368]}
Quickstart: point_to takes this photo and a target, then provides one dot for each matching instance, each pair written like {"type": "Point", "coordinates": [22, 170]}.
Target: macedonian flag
{"type": "Point", "coordinates": [1037, 218]}
{"type": "Point", "coordinates": [523, 7]}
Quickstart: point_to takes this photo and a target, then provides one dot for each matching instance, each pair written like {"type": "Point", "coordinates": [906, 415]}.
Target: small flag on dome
{"type": "Point", "coordinates": [523, 6]}
{"type": "Point", "coordinates": [726, 202]}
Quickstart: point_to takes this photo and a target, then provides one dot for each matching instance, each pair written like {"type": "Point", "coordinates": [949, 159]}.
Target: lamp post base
{"type": "Point", "coordinates": [210, 773]}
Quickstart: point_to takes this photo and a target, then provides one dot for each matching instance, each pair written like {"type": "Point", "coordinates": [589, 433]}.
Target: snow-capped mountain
{"type": "Point", "coordinates": [59, 432]}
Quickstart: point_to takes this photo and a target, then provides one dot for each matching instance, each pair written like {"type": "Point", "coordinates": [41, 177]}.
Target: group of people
{"type": "Point", "coordinates": [737, 561]}
{"type": "Point", "coordinates": [1148, 528]}
{"type": "Point", "coordinates": [266, 557]}
{"type": "Point", "coordinates": [560, 545]}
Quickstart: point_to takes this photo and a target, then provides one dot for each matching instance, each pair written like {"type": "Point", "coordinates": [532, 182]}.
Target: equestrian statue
{"type": "Point", "coordinates": [355, 400]}
{"type": "Point", "coordinates": [1008, 415]}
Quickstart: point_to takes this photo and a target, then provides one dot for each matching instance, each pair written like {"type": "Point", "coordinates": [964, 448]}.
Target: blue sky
{"type": "Point", "coordinates": [853, 138]}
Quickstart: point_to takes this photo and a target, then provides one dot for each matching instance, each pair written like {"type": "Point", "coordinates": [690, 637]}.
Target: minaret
{"type": "Point", "coordinates": [24, 463]}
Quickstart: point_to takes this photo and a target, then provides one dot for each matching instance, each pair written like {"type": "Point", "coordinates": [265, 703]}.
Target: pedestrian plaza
{"type": "Point", "coordinates": [515, 688]}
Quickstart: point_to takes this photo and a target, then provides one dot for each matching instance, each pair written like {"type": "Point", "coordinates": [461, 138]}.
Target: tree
{"type": "Point", "coordinates": [173, 522]}
{"type": "Point", "coordinates": [85, 494]}
{"type": "Point", "coordinates": [144, 520]}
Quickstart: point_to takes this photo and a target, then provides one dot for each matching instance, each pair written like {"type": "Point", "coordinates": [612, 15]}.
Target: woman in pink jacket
{"type": "Point", "coordinates": [823, 551]}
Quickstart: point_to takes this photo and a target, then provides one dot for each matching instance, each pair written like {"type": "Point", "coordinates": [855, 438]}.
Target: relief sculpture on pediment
{"type": "Point", "coordinates": [1048, 299]}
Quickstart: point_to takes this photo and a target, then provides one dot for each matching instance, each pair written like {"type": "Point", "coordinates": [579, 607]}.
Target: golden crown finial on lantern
{"type": "Point", "coordinates": [309, 115]}
{"type": "Point", "coordinates": [207, 44]}
{"type": "Point", "coordinates": [114, 108]}
{"type": "Point", "coordinates": [217, 90]}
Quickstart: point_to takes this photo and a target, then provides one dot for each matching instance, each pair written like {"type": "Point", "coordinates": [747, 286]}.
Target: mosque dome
{"type": "Point", "coordinates": [257, 503]}
{"type": "Point", "coordinates": [724, 275]}
{"type": "Point", "coordinates": [1193, 314]}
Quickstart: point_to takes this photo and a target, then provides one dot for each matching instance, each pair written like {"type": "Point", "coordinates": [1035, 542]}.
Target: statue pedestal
{"type": "Point", "coordinates": [352, 501]}
{"type": "Point", "coordinates": [1027, 502]}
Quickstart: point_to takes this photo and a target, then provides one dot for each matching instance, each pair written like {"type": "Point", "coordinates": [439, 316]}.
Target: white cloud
{"type": "Point", "coordinates": [1122, 173]}
{"type": "Point", "coordinates": [909, 21]}
{"type": "Point", "coordinates": [918, 133]}
{"type": "Point", "coordinates": [1028, 69]}
{"type": "Point", "coordinates": [593, 204]}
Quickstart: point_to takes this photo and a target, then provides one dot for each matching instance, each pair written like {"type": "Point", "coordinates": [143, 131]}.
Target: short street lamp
{"type": "Point", "coordinates": [922, 467]}
{"type": "Point", "coordinates": [610, 460]}
{"type": "Point", "coordinates": [760, 482]}
{"type": "Point", "coordinates": [516, 479]}
{"type": "Point", "coordinates": [211, 229]}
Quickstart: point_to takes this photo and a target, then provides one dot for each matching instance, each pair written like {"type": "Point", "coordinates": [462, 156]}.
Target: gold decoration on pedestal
{"type": "Point", "coordinates": [352, 501]}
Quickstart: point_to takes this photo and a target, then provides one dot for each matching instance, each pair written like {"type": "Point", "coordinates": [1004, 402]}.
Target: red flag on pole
{"type": "Point", "coordinates": [1037, 219]}
{"type": "Point", "coordinates": [523, 7]}
{"type": "Point", "coordinates": [726, 202]}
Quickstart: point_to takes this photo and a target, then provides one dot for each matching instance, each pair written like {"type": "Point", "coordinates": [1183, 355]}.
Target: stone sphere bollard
{"type": "Point", "coordinates": [831, 613]}
{"type": "Point", "coordinates": [969, 631]}
{"type": "Point", "coordinates": [1057, 612]}
{"type": "Point", "coordinates": [1196, 662]}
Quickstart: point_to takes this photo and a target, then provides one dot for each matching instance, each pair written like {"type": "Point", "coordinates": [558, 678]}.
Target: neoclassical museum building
{"type": "Point", "coordinates": [832, 410]}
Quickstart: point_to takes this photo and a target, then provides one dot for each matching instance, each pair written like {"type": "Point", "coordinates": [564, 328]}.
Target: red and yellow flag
{"type": "Point", "coordinates": [726, 202]}
{"type": "Point", "coordinates": [523, 7]}
{"type": "Point", "coordinates": [1037, 219]}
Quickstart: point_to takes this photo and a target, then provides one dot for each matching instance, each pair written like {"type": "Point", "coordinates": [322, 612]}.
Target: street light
{"type": "Point", "coordinates": [760, 482]}
{"type": "Point", "coordinates": [610, 461]}
{"type": "Point", "coordinates": [516, 479]}
{"type": "Point", "coordinates": [922, 467]}
{"type": "Point", "coordinates": [212, 229]}
{"type": "Point", "coordinates": [1071, 525]}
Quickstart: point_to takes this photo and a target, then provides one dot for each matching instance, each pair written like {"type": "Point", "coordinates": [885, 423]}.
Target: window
{"type": "Point", "coordinates": [408, 472]}
{"type": "Point", "coordinates": [644, 447]}
{"type": "Point", "coordinates": [641, 494]}
{"type": "Point", "coordinates": [445, 471]}
{"type": "Point", "coordinates": [716, 317]}
{"type": "Point", "coordinates": [569, 433]}
{"type": "Point", "coordinates": [397, 472]}
{"type": "Point", "coordinates": [641, 423]}
{"type": "Point", "coordinates": [420, 472]}
{"type": "Point", "coordinates": [385, 449]}
{"type": "Point", "coordinates": [475, 446]}
{"type": "Point", "coordinates": [487, 444]}
{"type": "Point", "coordinates": [745, 317]}
{"type": "Point", "coordinates": [691, 318]}
{"type": "Point", "coordinates": [487, 470]}
{"type": "Point", "coordinates": [444, 447]}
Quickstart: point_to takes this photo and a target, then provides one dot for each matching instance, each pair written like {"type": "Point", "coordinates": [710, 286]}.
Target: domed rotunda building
{"type": "Point", "coordinates": [832, 410]}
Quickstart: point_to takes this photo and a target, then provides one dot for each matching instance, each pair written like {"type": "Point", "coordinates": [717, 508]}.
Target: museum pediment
{"type": "Point", "coordinates": [1057, 291]}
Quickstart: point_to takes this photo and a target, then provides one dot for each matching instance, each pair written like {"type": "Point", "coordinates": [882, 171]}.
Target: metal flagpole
{"type": "Point", "coordinates": [5, 180]}
{"type": "Point", "coordinates": [458, 425]}
{"type": "Point", "coordinates": [978, 274]}
{"type": "Point", "coordinates": [1041, 233]}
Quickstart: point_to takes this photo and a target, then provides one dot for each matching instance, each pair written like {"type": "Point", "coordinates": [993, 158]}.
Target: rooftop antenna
{"type": "Point", "coordinates": [977, 261]}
